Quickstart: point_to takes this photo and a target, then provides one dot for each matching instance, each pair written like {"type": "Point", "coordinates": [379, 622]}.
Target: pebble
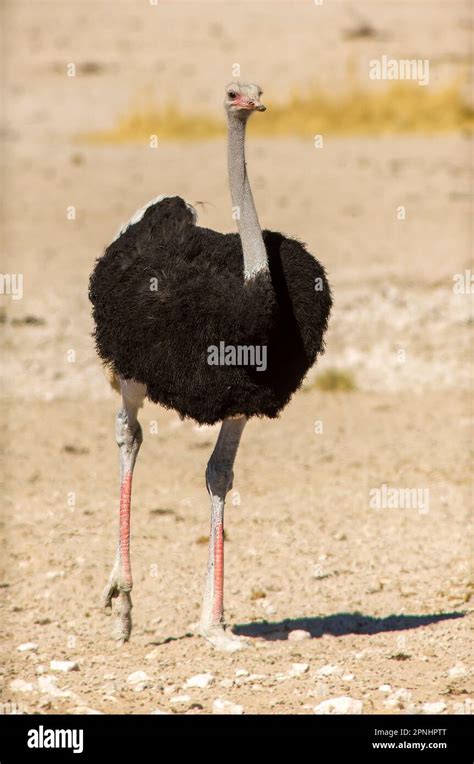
{"type": "Point", "coordinates": [200, 680]}
{"type": "Point", "coordinates": [19, 685]}
{"type": "Point", "coordinates": [437, 707]}
{"type": "Point", "coordinates": [159, 712]}
{"type": "Point", "coordinates": [398, 698]}
{"type": "Point", "coordinates": [454, 672]}
{"type": "Point", "coordinates": [221, 706]}
{"type": "Point", "coordinates": [348, 677]}
{"type": "Point", "coordinates": [268, 607]}
{"type": "Point", "coordinates": [47, 684]}
{"type": "Point", "coordinates": [64, 666]}
{"type": "Point", "coordinates": [153, 655]}
{"type": "Point", "coordinates": [52, 574]}
{"type": "Point", "coordinates": [341, 705]}
{"type": "Point", "coordinates": [298, 635]}
{"type": "Point", "coordinates": [226, 683]}
{"type": "Point", "coordinates": [241, 672]}
{"type": "Point", "coordinates": [385, 688]}
{"type": "Point", "coordinates": [27, 647]}
{"type": "Point", "coordinates": [139, 681]}
{"type": "Point", "coordinates": [322, 689]}
{"type": "Point", "coordinates": [328, 670]}
{"type": "Point", "coordinates": [180, 699]}
{"type": "Point", "coordinates": [298, 669]}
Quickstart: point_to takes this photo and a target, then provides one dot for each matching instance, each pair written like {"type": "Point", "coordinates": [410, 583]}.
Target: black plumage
{"type": "Point", "coordinates": [167, 290]}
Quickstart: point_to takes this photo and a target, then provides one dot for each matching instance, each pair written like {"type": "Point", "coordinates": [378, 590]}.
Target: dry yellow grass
{"type": "Point", "coordinates": [335, 380]}
{"type": "Point", "coordinates": [404, 107]}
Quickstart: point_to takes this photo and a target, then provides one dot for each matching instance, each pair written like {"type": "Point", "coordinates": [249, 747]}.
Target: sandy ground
{"type": "Point", "coordinates": [383, 594]}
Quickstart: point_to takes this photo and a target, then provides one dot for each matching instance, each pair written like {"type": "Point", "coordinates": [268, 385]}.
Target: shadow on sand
{"type": "Point", "coordinates": [339, 625]}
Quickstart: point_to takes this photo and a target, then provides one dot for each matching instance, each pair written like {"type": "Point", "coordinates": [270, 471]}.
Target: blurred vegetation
{"type": "Point", "coordinates": [402, 107]}
{"type": "Point", "coordinates": [335, 380]}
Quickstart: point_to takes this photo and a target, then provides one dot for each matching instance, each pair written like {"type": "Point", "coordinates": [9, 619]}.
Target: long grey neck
{"type": "Point", "coordinates": [255, 254]}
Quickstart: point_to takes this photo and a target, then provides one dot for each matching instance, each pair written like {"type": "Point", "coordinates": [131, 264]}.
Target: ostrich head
{"type": "Point", "coordinates": [241, 100]}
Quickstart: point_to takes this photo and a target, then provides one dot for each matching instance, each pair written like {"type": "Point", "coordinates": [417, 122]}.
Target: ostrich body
{"type": "Point", "coordinates": [167, 295]}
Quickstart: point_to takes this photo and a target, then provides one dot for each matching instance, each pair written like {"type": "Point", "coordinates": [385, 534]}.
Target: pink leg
{"type": "Point", "coordinates": [219, 476]}
{"type": "Point", "coordinates": [124, 539]}
{"type": "Point", "coordinates": [218, 610]}
{"type": "Point", "coordinates": [129, 439]}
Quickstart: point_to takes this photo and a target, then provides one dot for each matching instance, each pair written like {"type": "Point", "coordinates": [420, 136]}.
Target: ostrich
{"type": "Point", "coordinates": [166, 295]}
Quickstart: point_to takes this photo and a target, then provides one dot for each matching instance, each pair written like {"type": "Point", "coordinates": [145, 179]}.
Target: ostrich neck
{"type": "Point", "coordinates": [253, 247]}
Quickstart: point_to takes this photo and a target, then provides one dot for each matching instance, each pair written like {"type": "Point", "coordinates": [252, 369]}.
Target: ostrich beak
{"type": "Point", "coordinates": [251, 105]}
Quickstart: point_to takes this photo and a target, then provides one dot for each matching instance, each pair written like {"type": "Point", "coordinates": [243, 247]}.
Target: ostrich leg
{"type": "Point", "coordinates": [129, 438]}
{"type": "Point", "coordinates": [219, 477]}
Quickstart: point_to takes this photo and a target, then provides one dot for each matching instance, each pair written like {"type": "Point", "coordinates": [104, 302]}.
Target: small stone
{"type": "Point", "coordinates": [139, 681]}
{"type": "Point", "coordinates": [385, 688]}
{"type": "Point", "coordinates": [298, 635]}
{"type": "Point", "coordinates": [437, 707]}
{"type": "Point", "coordinates": [52, 574]}
{"type": "Point", "coordinates": [47, 684]}
{"type": "Point", "coordinates": [398, 698]}
{"type": "Point", "coordinates": [19, 685]}
{"type": "Point", "coordinates": [64, 666]}
{"type": "Point", "coordinates": [348, 677]}
{"type": "Point", "coordinates": [298, 669]}
{"type": "Point", "coordinates": [341, 705]}
{"type": "Point", "coordinates": [181, 699]}
{"type": "Point", "coordinates": [328, 670]}
{"type": "Point", "coordinates": [27, 647]}
{"type": "Point", "coordinates": [221, 706]}
{"type": "Point", "coordinates": [241, 672]}
{"type": "Point", "coordinates": [256, 677]}
{"type": "Point", "coordinates": [457, 671]}
{"type": "Point", "coordinates": [200, 680]}
{"type": "Point", "coordinates": [137, 676]}
{"type": "Point", "coordinates": [159, 712]}
{"type": "Point", "coordinates": [226, 683]}
{"type": "Point", "coordinates": [153, 654]}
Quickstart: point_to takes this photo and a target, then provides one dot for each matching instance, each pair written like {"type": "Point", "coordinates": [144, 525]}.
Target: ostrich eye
{"type": "Point", "coordinates": [232, 95]}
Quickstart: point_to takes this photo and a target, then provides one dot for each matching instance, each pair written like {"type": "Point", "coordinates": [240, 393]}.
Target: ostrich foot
{"type": "Point", "coordinates": [121, 609]}
{"type": "Point", "coordinates": [220, 639]}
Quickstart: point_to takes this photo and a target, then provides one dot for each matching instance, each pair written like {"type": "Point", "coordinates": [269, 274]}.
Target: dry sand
{"type": "Point", "coordinates": [385, 594]}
